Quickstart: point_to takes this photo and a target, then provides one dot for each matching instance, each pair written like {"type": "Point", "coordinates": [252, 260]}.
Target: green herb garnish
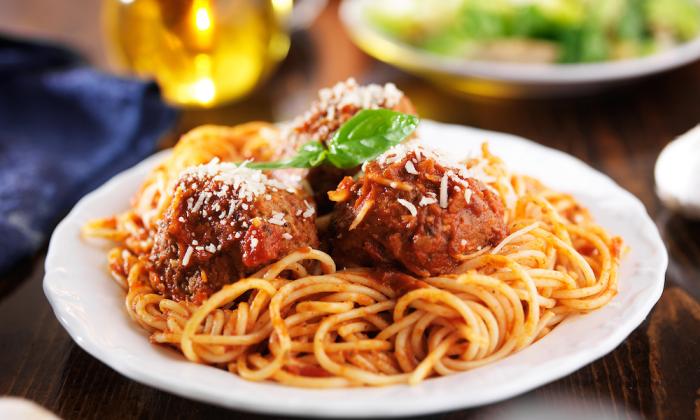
{"type": "Point", "coordinates": [310, 155]}
{"type": "Point", "coordinates": [363, 137]}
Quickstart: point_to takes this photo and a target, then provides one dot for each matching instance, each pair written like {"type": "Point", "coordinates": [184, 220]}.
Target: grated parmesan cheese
{"type": "Point", "coordinates": [349, 93]}
{"type": "Point", "coordinates": [309, 210]}
{"type": "Point", "coordinates": [424, 201]}
{"type": "Point", "coordinates": [277, 219]}
{"type": "Point", "coordinates": [198, 204]}
{"type": "Point", "coordinates": [411, 208]}
{"type": "Point", "coordinates": [333, 104]}
{"type": "Point", "coordinates": [237, 184]}
{"type": "Point", "coordinates": [456, 169]}
{"type": "Point", "coordinates": [248, 183]}
{"type": "Point", "coordinates": [443, 191]}
{"type": "Point", "coordinates": [287, 235]}
{"type": "Point", "coordinates": [410, 168]}
{"type": "Point", "coordinates": [188, 255]}
{"type": "Point", "coordinates": [468, 195]}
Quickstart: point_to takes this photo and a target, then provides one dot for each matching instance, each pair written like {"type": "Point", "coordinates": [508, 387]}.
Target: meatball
{"type": "Point", "coordinates": [225, 222]}
{"type": "Point", "coordinates": [338, 104]}
{"type": "Point", "coordinates": [411, 210]}
{"type": "Point", "coordinates": [332, 109]}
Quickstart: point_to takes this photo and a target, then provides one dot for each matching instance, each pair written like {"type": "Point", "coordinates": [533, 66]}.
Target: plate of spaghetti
{"type": "Point", "coordinates": [354, 262]}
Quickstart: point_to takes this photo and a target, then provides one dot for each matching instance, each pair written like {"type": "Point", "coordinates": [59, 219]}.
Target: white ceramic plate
{"type": "Point", "coordinates": [502, 78]}
{"type": "Point", "coordinates": [91, 306]}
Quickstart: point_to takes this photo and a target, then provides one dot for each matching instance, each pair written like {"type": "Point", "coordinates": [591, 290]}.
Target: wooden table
{"type": "Point", "coordinates": [654, 373]}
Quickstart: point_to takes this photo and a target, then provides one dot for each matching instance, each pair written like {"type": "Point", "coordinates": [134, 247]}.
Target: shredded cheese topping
{"type": "Point", "coordinates": [248, 183]}
{"type": "Point", "coordinates": [333, 101]}
{"type": "Point", "coordinates": [277, 219]}
{"type": "Point", "coordinates": [443, 191]}
{"type": "Point", "coordinates": [410, 168]}
{"type": "Point", "coordinates": [240, 186]}
{"type": "Point", "coordinates": [309, 210]}
{"type": "Point", "coordinates": [411, 208]}
{"type": "Point", "coordinates": [457, 171]}
{"type": "Point", "coordinates": [424, 201]}
{"type": "Point", "coordinates": [350, 93]}
{"type": "Point", "coordinates": [188, 255]}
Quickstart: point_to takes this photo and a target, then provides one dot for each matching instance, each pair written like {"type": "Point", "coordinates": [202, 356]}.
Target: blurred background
{"type": "Point", "coordinates": [611, 82]}
{"type": "Point", "coordinates": [228, 61]}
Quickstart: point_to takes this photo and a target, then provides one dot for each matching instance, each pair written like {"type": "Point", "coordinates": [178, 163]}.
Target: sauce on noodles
{"type": "Point", "coordinates": [300, 319]}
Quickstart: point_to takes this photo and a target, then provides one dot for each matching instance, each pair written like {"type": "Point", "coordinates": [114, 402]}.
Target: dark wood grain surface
{"type": "Point", "coordinates": [654, 373]}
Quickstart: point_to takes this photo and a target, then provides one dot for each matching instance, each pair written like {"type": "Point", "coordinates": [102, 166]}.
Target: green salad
{"type": "Point", "coordinates": [564, 31]}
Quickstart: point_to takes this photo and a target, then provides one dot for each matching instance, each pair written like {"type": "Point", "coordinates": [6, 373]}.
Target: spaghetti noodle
{"type": "Point", "coordinates": [300, 321]}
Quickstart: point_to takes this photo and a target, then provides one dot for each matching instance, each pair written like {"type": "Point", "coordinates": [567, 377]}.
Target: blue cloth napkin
{"type": "Point", "coordinates": [64, 129]}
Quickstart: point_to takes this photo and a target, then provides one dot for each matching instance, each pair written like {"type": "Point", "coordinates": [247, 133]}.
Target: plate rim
{"type": "Point", "coordinates": [364, 35]}
{"type": "Point", "coordinates": [297, 408]}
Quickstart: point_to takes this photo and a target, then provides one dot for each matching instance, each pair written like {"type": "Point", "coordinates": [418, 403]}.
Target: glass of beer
{"type": "Point", "coordinates": [201, 52]}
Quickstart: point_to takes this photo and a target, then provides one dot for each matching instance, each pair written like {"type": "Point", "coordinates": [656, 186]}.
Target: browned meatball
{"type": "Point", "coordinates": [225, 222]}
{"type": "Point", "coordinates": [333, 108]}
{"type": "Point", "coordinates": [408, 210]}
{"type": "Point", "coordinates": [338, 104]}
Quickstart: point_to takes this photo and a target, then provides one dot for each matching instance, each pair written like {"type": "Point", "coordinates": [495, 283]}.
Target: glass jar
{"type": "Point", "coordinates": [201, 52]}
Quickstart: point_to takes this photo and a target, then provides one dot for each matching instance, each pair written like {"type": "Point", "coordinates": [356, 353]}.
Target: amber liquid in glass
{"type": "Point", "coordinates": [201, 52]}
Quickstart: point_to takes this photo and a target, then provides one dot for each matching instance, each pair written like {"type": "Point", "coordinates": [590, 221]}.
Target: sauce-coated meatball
{"type": "Point", "coordinates": [336, 105]}
{"type": "Point", "coordinates": [333, 107]}
{"type": "Point", "coordinates": [410, 211]}
{"type": "Point", "coordinates": [225, 222]}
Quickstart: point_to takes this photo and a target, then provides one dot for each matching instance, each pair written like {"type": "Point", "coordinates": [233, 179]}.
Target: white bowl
{"type": "Point", "coordinates": [90, 305]}
{"type": "Point", "coordinates": [501, 78]}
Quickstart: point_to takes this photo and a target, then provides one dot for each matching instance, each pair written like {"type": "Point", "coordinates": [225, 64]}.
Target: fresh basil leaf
{"type": "Point", "coordinates": [363, 137]}
{"type": "Point", "coordinates": [309, 155]}
{"type": "Point", "coordinates": [367, 135]}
